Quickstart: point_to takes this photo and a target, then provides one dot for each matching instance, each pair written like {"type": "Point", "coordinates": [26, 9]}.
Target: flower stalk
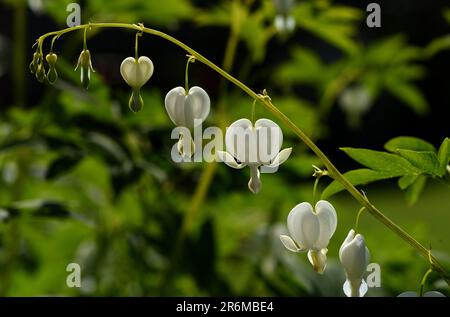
{"type": "Point", "coordinates": [269, 106]}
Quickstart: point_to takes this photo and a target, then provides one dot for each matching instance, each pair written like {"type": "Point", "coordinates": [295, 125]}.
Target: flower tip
{"type": "Point", "coordinates": [136, 103]}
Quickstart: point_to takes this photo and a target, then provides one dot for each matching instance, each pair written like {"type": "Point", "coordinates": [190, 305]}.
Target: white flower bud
{"type": "Point", "coordinates": [354, 256]}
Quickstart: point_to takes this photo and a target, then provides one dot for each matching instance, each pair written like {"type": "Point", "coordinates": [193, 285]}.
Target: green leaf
{"type": "Point", "coordinates": [437, 45]}
{"type": "Point", "coordinates": [413, 191]}
{"type": "Point", "coordinates": [408, 143]}
{"type": "Point", "coordinates": [356, 177]}
{"type": "Point", "coordinates": [444, 155]}
{"type": "Point", "coordinates": [409, 94]}
{"type": "Point", "coordinates": [406, 181]}
{"type": "Point", "coordinates": [426, 161]}
{"type": "Point", "coordinates": [382, 161]}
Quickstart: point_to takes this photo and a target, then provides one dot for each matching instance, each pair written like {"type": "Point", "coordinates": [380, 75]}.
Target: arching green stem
{"type": "Point", "coordinates": [268, 105]}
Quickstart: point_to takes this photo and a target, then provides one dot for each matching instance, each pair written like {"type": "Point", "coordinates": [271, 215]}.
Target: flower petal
{"type": "Point", "coordinates": [196, 106]}
{"type": "Point", "coordinates": [318, 259]}
{"type": "Point", "coordinates": [327, 221]}
{"type": "Point", "coordinates": [136, 72]}
{"type": "Point", "coordinates": [303, 225]}
{"type": "Point", "coordinates": [348, 239]}
{"type": "Point", "coordinates": [289, 243]}
{"type": "Point", "coordinates": [352, 289]}
{"type": "Point", "coordinates": [269, 140]}
{"type": "Point", "coordinates": [228, 159]}
{"type": "Point", "coordinates": [174, 103]}
{"type": "Point", "coordinates": [254, 184]}
{"type": "Point", "coordinates": [408, 294]}
{"type": "Point", "coordinates": [354, 258]}
{"type": "Point", "coordinates": [241, 141]}
{"type": "Point", "coordinates": [280, 158]}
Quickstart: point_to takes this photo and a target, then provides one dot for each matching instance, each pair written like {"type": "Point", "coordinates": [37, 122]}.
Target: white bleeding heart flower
{"type": "Point", "coordinates": [426, 294]}
{"type": "Point", "coordinates": [284, 22]}
{"type": "Point", "coordinates": [136, 72]}
{"type": "Point", "coordinates": [85, 65]}
{"type": "Point", "coordinates": [187, 109]}
{"type": "Point", "coordinates": [311, 230]}
{"type": "Point", "coordinates": [354, 256]}
{"type": "Point", "coordinates": [255, 146]}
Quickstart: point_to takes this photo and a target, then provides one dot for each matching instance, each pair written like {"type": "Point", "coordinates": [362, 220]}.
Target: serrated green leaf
{"type": "Point", "coordinates": [406, 181]}
{"type": "Point", "coordinates": [382, 161]}
{"type": "Point", "coordinates": [356, 177]}
{"type": "Point", "coordinates": [444, 155]}
{"type": "Point", "coordinates": [426, 161]}
{"type": "Point", "coordinates": [413, 192]}
{"type": "Point", "coordinates": [408, 143]}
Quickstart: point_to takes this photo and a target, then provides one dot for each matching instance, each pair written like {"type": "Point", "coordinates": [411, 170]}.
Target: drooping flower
{"type": "Point", "coordinates": [311, 230]}
{"type": "Point", "coordinates": [187, 109]}
{"type": "Point", "coordinates": [284, 22]}
{"type": "Point", "coordinates": [52, 74]}
{"type": "Point", "coordinates": [354, 256]}
{"type": "Point", "coordinates": [85, 64]}
{"type": "Point", "coordinates": [35, 62]}
{"type": "Point", "coordinates": [256, 146]}
{"type": "Point", "coordinates": [355, 101]}
{"type": "Point", "coordinates": [136, 72]}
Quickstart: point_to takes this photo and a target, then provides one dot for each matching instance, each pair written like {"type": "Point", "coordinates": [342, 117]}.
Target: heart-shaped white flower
{"type": "Point", "coordinates": [187, 110]}
{"type": "Point", "coordinates": [136, 72]}
{"type": "Point", "coordinates": [255, 146]}
{"type": "Point", "coordinates": [311, 231]}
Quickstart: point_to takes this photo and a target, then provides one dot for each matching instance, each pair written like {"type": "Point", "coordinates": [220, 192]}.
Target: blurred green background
{"type": "Point", "coordinates": [85, 180]}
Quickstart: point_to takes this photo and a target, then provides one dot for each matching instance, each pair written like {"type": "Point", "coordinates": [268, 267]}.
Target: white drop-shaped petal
{"type": "Point", "coordinates": [226, 158]}
{"type": "Point", "coordinates": [269, 140]}
{"type": "Point", "coordinates": [241, 141]}
{"type": "Point", "coordinates": [187, 110]}
{"type": "Point", "coordinates": [352, 290]}
{"type": "Point", "coordinates": [289, 243]}
{"type": "Point", "coordinates": [303, 225]}
{"type": "Point", "coordinates": [136, 72]}
{"type": "Point", "coordinates": [354, 256]}
{"type": "Point", "coordinates": [328, 222]}
{"type": "Point", "coordinates": [318, 259]}
{"type": "Point", "coordinates": [254, 184]}
{"type": "Point", "coordinates": [280, 158]}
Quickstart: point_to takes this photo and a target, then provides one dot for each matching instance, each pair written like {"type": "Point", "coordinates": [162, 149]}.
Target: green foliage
{"type": "Point", "coordinates": [387, 65]}
{"type": "Point", "coordinates": [335, 24]}
{"type": "Point", "coordinates": [161, 13]}
{"type": "Point", "coordinates": [84, 180]}
{"type": "Point", "coordinates": [411, 159]}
